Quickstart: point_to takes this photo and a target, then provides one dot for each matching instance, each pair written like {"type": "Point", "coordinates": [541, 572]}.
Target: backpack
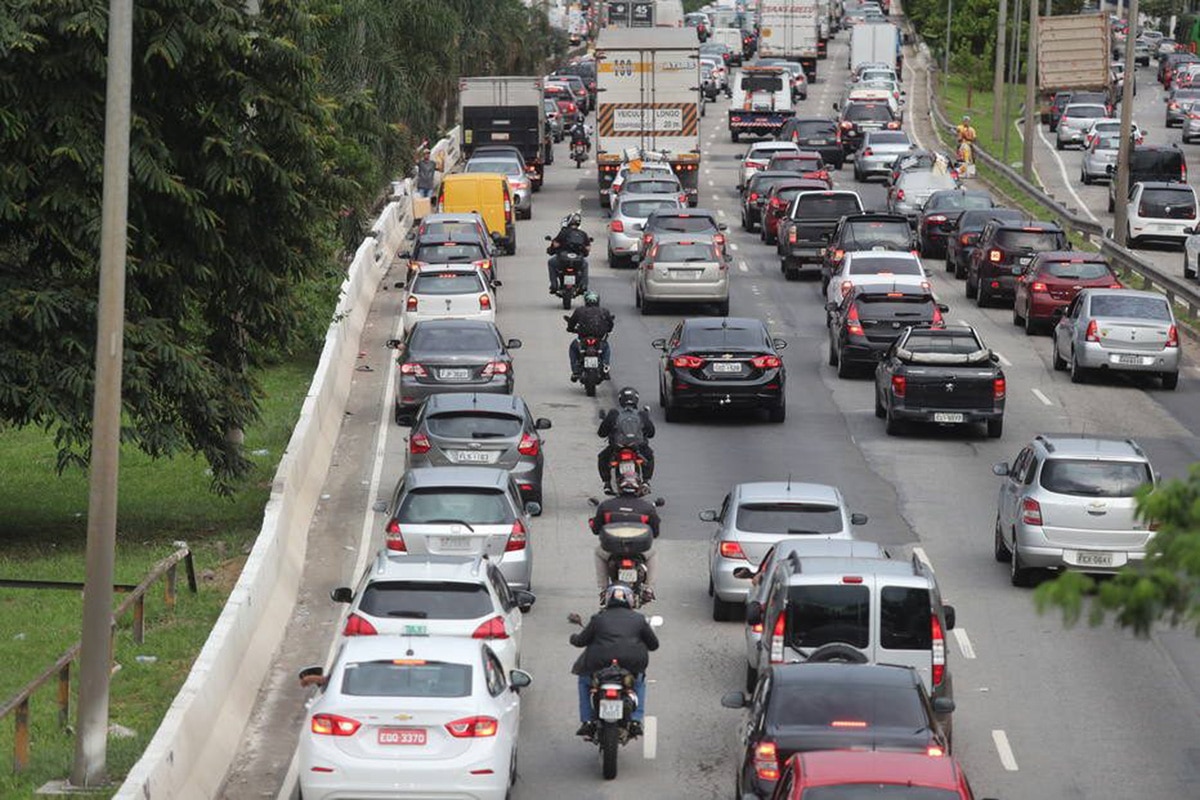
{"type": "Point", "coordinates": [627, 429]}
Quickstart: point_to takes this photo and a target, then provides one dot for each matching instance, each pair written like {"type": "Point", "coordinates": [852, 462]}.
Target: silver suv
{"type": "Point", "coordinates": [1068, 502]}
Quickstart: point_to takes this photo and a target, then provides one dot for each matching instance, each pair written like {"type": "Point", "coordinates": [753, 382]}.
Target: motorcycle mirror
{"type": "Point", "coordinates": [341, 594]}
{"type": "Point", "coordinates": [656, 621]}
{"type": "Point", "coordinates": [659, 502]}
{"type": "Point", "coordinates": [548, 239]}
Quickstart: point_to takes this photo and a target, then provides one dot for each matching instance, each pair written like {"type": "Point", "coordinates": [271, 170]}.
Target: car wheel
{"type": "Point", "coordinates": [734, 136]}
{"type": "Point", "coordinates": [1084, 179]}
{"type": "Point", "coordinates": [1058, 145]}
{"type": "Point", "coordinates": [833, 359]}
{"type": "Point", "coordinates": [790, 273]}
{"type": "Point", "coordinates": [995, 428]}
{"type": "Point", "coordinates": [751, 679]}
{"type": "Point", "coordinates": [673, 413]}
{"type": "Point", "coordinates": [1018, 575]}
{"type": "Point", "coordinates": [960, 270]}
{"type": "Point", "coordinates": [662, 401]}
{"type": "Point", "coordinates": [999, 547]}
{"type": "Point", "coordinates": [769, 238]}
{"type": "Point", "coordinates": [1058, 361]}
{"type": "Point", "coordinates": [1017, 319]}
{"type": "Point", "coordinates": [778, 412]}
{"type": "Point", "coordinates": [971, 289]}
{"type": "Point", "coordinates": [400, 415]}
{"type": "Point", "coordinates": [981, 297]}
{"type": "Point", "coordinates": [1078, 373]}
{"type": "Point", "coordinates": [1170, 380]}
{"type": "Point", "coordinates": [892, 427]}
{"type": "Point", "coordinates": [949, 263]}
{"type": "Point", "coordinates": [637, 299]}
{"type": "Point", "coordinates": [723, 611]}
{"type": "Point", "coordinates": [843, 367]}
{"type": "Point", "coordinates": [1111, 203]}
{"type": "Point", "coordinates": [1189, 271]}
{"type": "Point", "coordinates": [880, 411]}
{"type": "Point", "coordinates": [1031, 327]}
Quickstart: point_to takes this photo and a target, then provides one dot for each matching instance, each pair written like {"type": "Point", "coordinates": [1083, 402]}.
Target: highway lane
{"type": "Point", "coordinates": [1079, 713]}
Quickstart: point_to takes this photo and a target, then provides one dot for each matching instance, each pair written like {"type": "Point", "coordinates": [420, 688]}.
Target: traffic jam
{"type": "Point", "coordinates": [767, 239]}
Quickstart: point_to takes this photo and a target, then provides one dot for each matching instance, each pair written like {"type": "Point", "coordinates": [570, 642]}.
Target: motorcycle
{"type": "Point", "coordinates": [579, 152]}
{"type": "Point", "coordinates": [626, 462]}
{"type": "Point", "coordinates": [592, 371]}
{"type": "Point", "coordinates": [627, 545]}
{"type": "Point", "coordinates": [570, 275]}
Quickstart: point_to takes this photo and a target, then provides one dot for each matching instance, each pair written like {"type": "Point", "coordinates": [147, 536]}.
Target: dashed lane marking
{"type": "Point", "coordinates": [649, 738]}
{"type": "Point", "coordinates": [1040, 396]}
{"type": "Point", "coordinates": [964, 644]}
{"type": "Point", "coordinates": [733, 246]}
{"type": "Point", "coordinates": [742, 266]}
{"type": "Point", "coordinates": [1000, 738]}
{"type": "Point", "coordinates": [1062, 169]}
{"type": "Point", "coordinates": [720, 212]}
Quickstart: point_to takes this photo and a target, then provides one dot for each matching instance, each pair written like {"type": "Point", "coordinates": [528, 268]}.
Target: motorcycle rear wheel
{"type": "Point", "coordinates": [566, 300]}
{"type": "Point", "coordinates": [609, 742]}
{"type": "Point", "coordinates": [589, 386]}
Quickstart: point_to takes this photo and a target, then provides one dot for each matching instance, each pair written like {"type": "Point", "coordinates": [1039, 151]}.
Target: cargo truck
{"type": "Point", "coordinates": [1073, 54]}
{"type": "Point", "coordinates": [878, 43]}
{"type": "Point", "coordinates": [790, 29]}
{"type": "Point", "coordinates": [648, 82]}
{"type": "Point", "coordinates": [506, 110]}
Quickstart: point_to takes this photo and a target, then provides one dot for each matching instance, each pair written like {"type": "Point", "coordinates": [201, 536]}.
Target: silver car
{"type": "Point", "coordinates": [554, 120]}
{"type": "Point", "coordinates": [1076, 119]}
{"type": "Point", "coordinates": [908, 194]}
{"type": "Point", "coordinates": [487, 430]}
{"type": "Point", "coordinates": [463, 511]}
{"type": "Point", "coordinates": [518, 182]}
{"type": "Point", "coordinates": [1118, 330]}
{"type": "Point", "coordinates": [1175, 99]}
{"type": "Point", "coordinates": [755, 517]}
{"type": "Point", "coordinates": [880, 149]}
{"type": "Point", "coordinates": [1190, 124]}
{"type": "Point", "coordinates": [1098, 157]}
{"type": "Point", "coordinates": [628, 218]}
{"type": "Point", "coordinates": [1069, 502]}
{"type": "Point", "coordinates": [683, 268]}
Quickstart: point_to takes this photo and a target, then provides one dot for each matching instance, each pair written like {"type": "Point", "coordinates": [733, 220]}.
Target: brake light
{"type": "Point", "coordinates": [999, 388]}
{"type": "Point", "coordinates": [1031, 511]}
{"type": "Point", "coordinates": [688, 362]}
{"type": "Point", "coordinates": [393, 539]}
{"type": "Point", "coordinates": [867, 151]}
{"type": "Point", "coordinates": [473, 727]}
{"type": "Point", "coordinates": [529, 445]}
{"type": "Point", "coordinates": [766, 761]}
{"type": "Point", "coordinates": [616, 226]}
{"type": "Point", "coordinates": [848, 723]}
{"type": "Point", "coordinates": [899, 194]}
{"type": "Point", "coordinates": [627, 455]}
{"type": "Point", "coordinates": [491, 629]}
{"type": "Point", "coordinates": [777, 639]}
{"type": "Point", "coordinates": [646, 239]}
{"type": "Point", "coordinates": [935, 751]}
{"type": "Point", "coordinates": [891, 126]}
{"type": "Point", "coordinates": [936, 218]}
{"type": "Point", "coordinates": [719, 240]}
{"type": "Point", "coordinates": [485, 303]}
{"type": "Point", "coordinates": [411, 303]}
{"type": "Point", "coordinates": [418, 444]}
{"type": "Point", "coordinates": [939, 650]}
{"type": "Point", "coordinates": [838, 255]}
{"type": "Point", "coordinates": [1093, 332]}
{"type": "Point", "coordinates": [847, 126]}
{"type": "Point", "coordinates": [1172, 337]}
{"type": "Point", "coordinates": [571, 108]}
{"type": "Point", "coordinates": [357, 626]}
{"type": "Point", "coordinates": [995, 255]}
{"type": "Point", "coordinates": [517, 539]}
{"type": "Point", "coordinates": [853, 326]}
{"type": "Point", "coordinates": [1038, 286]}
{"type": "Point", "coordinates": [334, 725]}
{"type": "Point", "coordinates": [792, 235]}
{"type": "Point", "coordinates": [732, 550]}
{"type": "Point", "coordinates": [965, 239]}
{"type": "Point", "coordinates": [482, 264]}
{"type": "Point", "coordinates": [494, 368]}
{"type": "Point", "coordinates": [766, 362]}
{"type": "Point", "coordinates": [777, 203]}
{"type": "Point", "coordinates": [899, 385]}
{"type": "Point", "coordinates": [753, 196]}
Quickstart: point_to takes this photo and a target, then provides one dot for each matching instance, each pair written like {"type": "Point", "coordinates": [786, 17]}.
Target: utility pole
{"type": "Point", "coordinates": [946, 55]}
{"type": "Point", "coordinates": [1031, 118]}
{"type": "Point", "coordinates": [1121, 215]}
{"type": "Point", "coordinates": [999, 106]}
{"type": "Point", "coordinates": [91, 739]}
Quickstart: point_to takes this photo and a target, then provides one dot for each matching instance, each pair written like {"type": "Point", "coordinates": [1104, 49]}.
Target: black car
{"type": "Point", "coordinates": [1148, 163]}
{"type": "Point", "coordinates": [860, 116]}
{"type": "Point", "coordinates": [727, 362]}
{"type": "Point", "coordinates": [797, 708]}
{"type": "Point", "coordinates": [944, 376]}
{"type": "Point", "coordinates": [866, 231]}
{"type": "Point", "coordinates": [961, 242]}
{"type": "Point", "coordinates": [754, 195]}
{"type": "Point", "coordinates": [816, 133]}
{"type": "Point", "coordinates": [805, 232]}
{"type": "Point", "coordinates": [671, 220]}
{"type": "Point", "coordinates": [1003, 251]}
{"type": "Point", "coordinates": [871, 317]}
{"type": "Point", "coordinates": [940, 214]}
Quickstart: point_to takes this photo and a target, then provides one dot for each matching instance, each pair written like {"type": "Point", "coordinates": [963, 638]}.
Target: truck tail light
{"type": "Point", "coordinates": [999, 388]}
{"type": "Point", "coordinates": [899, 385]}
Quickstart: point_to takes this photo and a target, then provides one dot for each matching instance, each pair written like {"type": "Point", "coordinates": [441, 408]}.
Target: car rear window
{"type": "Point", "coordinates": [904, 618]}
{"type": "Point", "coordinates": [916, 308]}
{"type": "Point", "coordinates": [651, 186]}
{"type": "Point", "coordinates": [868, 112]}
{"type": "Point", "coordinates": [869, 706]}
{"type": "Point", "coordinates": [445, 505]}
{"type": "Point", "coordinates": [720, 336]}
{"type": "Point", "coordinates": [1131, 307]}
{"type": "Point", "coordinates": [425, 600]}
{"type": "Point", "coordinates": [1081, 111]}
{"type": "Point", "coordinates": [1168, 203]}
{"type": "Point", "coordinates": [868, 265]}
{"type": "Point", "coordinates": [1029, 240]}
{"type": "Point", "coordinates": [877, 791]}
{"type": "Point", "coordinates": [447, 283]}
{"type": "Point", "coordinates": [414, 678]}
{"type": "Point", "coordinates": [1090, 478]}
{"type": "Point", "coordinates": [868, 234]}
{"type": "Point", "coordinates": [640, 209]}
{"type": "Point", "coordinates": [1076, 270]}
{"type": "Point", "coordinates": [500, 167]}
{"type": "Point", "coordinates": [889, 138]}
{"type": "Point", "coordinates": [448, 253]}
{"type": "Point", "coordinates": [683, 252]}
{"type": "Point", "coordinates": [452, 339]}
{"type": "Point", "coordinates": [689, 224]}
{"type": "Point", "coordinates": [794, 518]}
{"type": "Point", "coordinates": [820, 615]}
{"type": "Point", "coordinates": [809, 130]}
{"type": "Point", "coordinates": [473, 425]}
{"type": "Point", "coordinates": [761, 82]}
{"type": "Point", "coordinates": [448, 228]}
{"type": "Point", "coordinates": [826, 206]}
{"type": "Point", "coordinates": [959, 200]}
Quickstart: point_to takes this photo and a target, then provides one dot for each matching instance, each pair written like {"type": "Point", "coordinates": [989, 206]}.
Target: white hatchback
{"type": "Point", "coordinates": [448, 291]}
{"type": "Point", "coordinates": [876, 267]}
{"type": "Point", "coordinates": [759, 155]}
{"type": "Point", "coordinates": [412, 717]}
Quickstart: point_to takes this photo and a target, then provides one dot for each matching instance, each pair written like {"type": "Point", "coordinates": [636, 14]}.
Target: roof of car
{"type": "Point", "coordinates": [844, 674]}
{"type": "Point", "coordinates": [1040, 224]}
{"type": "Point", "coordinates": [832, 767]}
{"type": "Point", "coordinates": [892, 255]}
{"type": "Point", "coordinates": [826, 566]}
{"type": "Point", "coordinates": [809, 547]}
{"type": "Point", "coordinates": [880, 287]}
{"type": "Point", "coordinates": [722, 323]}
{"type": "Point", "coordinates": [474, 401]}
{"type": "Point", "coordinates": [485, 477]}
{"type": "Point", "coordinates": [1164, 185]}
{"type": "Point", "coordinates": [1077, 446]}
{"type": "Point", "coordinates": [453, 237]}
{"type": "Point", "coordinates": [787, 490]}
{"type": "Point", "coordinates": [452, 216]}
{"type": "Point", "coordinates": [699, 237]}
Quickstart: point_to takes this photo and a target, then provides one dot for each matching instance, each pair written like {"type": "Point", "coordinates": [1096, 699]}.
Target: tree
{"type": "Point", "coordinates": [1163, 588]}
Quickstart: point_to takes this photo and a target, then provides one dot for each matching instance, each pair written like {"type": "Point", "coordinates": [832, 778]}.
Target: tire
{"type": "Point", "coordinates": [1078, 373]}
{"type": "Point", "coordinates": [1058, 145]}
{"type": "Point", "coordinates": [833, 359]}
{"type": "Point", "coordinates": [892, 426]}
{"type": "Point", "coordinates": [995, 428]}
{"type": "Point", "coordinates": [834, 653]}
{"type": "Point", "coordinates": [1170, 380]}
{"type": "Point", "coordinates": [746, 226]}
{"type": "Point", "coordinates": [1018, 574]}
{"type": "Point", "coordinates": [1017, 319]}
{"type": "Point", "coordinates": [399, 415]}
{"type": "Point", "coordinates": [1031, 327]}
{"type": "Point", "coordinates": [981, 297]}
{"type": "Point", "coordinates": [608, 750]}
{"type": "Point", "coordinates": [566, 302]}
{"type": "Point", "coordinates": [589, 388]}
{"type": "Point", "coordinates": [778, 413]}
{"type": "Point", "coordinates": [1059, 363]}
{"type": "Point", "coordinates": [769, 238]}
{"type": "Point", "coordinates": [734, 136]}
{"type": "Point", "coordinates": [723, 308]}
{"type": "Point", "coordinates": [999, 548]}
{"type": "Point", "coordinates": [1189, 271]}
{"type": "Point", "coordinates": [1111, 204]}
{"type": "Point", "coordinates": [960, 271]}
{"type": "Point", "coordinates": [723, 611]}
{"type": "Point", "coordinates": [662, 400]}
{"type": "Point", "coordinates": [791, 273]}
{"type": "Point", "coordinates": [971, 289]}
{"type": "Point", "coordinates": [880, 411]}
{"type": "Point", "coordinates": [637, 299]}
{"type": "Point", "coordinates": [949, 263]}
{"type": "Point", "coordinates": [843, 369]}
{"type": "Point", "coordinates": [751, 678]}
{"type": "Point", "coordinates": [1084, 179]}
{"type": "Point", "coordinates": [673, 413]}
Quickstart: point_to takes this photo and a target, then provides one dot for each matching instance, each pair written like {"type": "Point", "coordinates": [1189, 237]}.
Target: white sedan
{"type": "Point", "coordinates": [449, 291]}
{"type": "Point", "coordinates": [412, 717]}
{"type": "Point", "coordinates": [874, 267]}
{"type": "Point", "coordinates": [759, 155]}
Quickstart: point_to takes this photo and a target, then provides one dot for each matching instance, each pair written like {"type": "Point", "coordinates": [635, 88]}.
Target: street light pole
{"type": "Point", "coordinates": [999, 106]}
{"type": "Point", "coordinates": [91, 739]}
{"type": "Point", "coordinates": [1121, 209]}
{"type": "Point", "coordinates": [1031, 118]}
{"type": "Point", "coordinates": [946, 55]}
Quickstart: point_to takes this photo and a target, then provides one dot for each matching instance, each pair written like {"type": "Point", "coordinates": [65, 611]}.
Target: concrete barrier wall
{"type": "Point", "coordinates": [194, 746]}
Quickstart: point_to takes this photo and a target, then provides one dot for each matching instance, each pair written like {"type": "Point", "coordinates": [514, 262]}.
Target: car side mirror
{"type": "Point", "coordinates": [835, 107]}
{"type": "Point", "coordinates": [1110, 169]}
{"type": "Point", "coordinates": [858, 519]}
{"type": "Point", "coordinates": [496, 283]}
{"type": "Point", "coordinates": [780, 344]}
{"type": "Point", "coordinates": [547, 238]}
{"type": "Point", "coordinates": [311, 672]}
{"type": "Point", "coordinates": [659, 344]}
{"type": "Point", "coordinates": [994, 358]}
{"type": "Point", "coordinates": [406, 254]}
{"type": "Point", "coordinates": [744, 573]}
{"type": "Point", "coordinates": [524, 599]}
{"type": "Point", "coordinates": [708, 515]}
{"type": "Point", "coordinates": [721, 226]}
{"type": "Point", "coordinates": [542, 424]}
{"type": "Point", "coordinates": [593, 501]}
{"type": "Point", "coordinates": [734, 700]}
{"type": "Point", "coordinates": [518, 679]}
{"type": "Point", "coordinates": [342, 594]}
{"type": "Point", "coordinates": [942, 307]}
{"type": "Point", "coordinates": [392, 344]}
{"type": "Point", "coordinates": [402, 284]}
{"type": "Point", "coordinates": [533, 508]}
{"type": "Point", "coordinates": [754, 610]}
{"type": "Point", "coordinates": [513, 344]}
{"type": "Point", "coordinates": [951, 616]}
{"type": "Point", "coordinates": [1000, 469]}
{"type": "Point", "coordinates": [659, 502]}
{"type": "Point", "coordinates": [943, 705]}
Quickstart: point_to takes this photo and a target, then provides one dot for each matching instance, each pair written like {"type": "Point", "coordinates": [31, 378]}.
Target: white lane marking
{"type": "Point", "coordinates": [712, 183]}
{"type": "Point", "coordinates": [919, 552]}
{"type": "Point", "coordinates": [1000, 738]}
{"type": "Point", "coordinates": [290, 779]}
{"type": "Point", "coordinates": [1040, 396]}
{"type": "Point", "coordinates": [1003, 360]}
{"type": "Point", "coordinates": [716, 198]}
{"type": "Point", "coordinates": [1062, 168]}
{"type": "Point", "coordinates": [650, 738]}
{"type": "Point", "coordinates": [754, 289]}
{"type": "Point", "coordinates": [733, 246]}
{"type": "Point", "coordinates": [964, 643]}
{"type": "Point", "coordinates": [720, 212]}
{"type": "Point", "coordinates": [742, 266]}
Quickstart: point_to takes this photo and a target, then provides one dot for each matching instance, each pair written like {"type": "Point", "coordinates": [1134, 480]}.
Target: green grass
{"type": "Point", "coordinates": [44, 535]}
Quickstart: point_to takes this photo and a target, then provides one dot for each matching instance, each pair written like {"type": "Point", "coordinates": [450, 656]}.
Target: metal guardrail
{"type": "Point", "coordinates": [18, 704]}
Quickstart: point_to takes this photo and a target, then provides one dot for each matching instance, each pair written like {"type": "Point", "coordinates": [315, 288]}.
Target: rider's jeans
{"type": "Point", "coordinates": [577, 359]}
{"type": "Point", "coordinates": [585, 697]}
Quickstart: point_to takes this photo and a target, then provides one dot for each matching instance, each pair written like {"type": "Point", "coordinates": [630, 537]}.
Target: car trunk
{"type": "Point", "coordinates": [1121, 333]}
{"type": "Point", "coordinates": [415, 731]}
{"type": "Point", "coordinates": [1088, 503]}
{"type": "Point", "coordinates": [883, 319]}
{"type": "Point", "coordinates": [933, 388]}
{"type": "Point", "coordinates": [454, 369]}
{"type": "Point", "coordinates": [488, 439]}
{"type": "Point", "coordinates": [687, 271]}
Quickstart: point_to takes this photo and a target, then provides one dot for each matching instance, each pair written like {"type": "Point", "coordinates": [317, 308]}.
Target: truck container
{"type": "Point", "coordinates": [1074, 53]}
{"type": "Point", "coordinates": [505, 110]}
{"type": "Point", "coordinates": [878, 43]}
{"type": "Point", "coordinates": [790, 29]}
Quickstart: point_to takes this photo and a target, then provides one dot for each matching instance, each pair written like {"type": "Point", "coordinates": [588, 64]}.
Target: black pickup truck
{"type": "Point", "coordinates": [805, 232]}
{"type": "Point", "coordinates": [945, 376]}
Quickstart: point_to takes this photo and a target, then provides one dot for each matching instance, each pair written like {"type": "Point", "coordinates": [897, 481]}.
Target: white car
{"type": "Point", "coordinates": [448, 291]}
{"type": "Point", "coordinates": [626, 171]}
{"type": "Point", "coordinates": [759, 155]}
{"type": "Point", "coordinates": [410, 716]}
{"type": "Point", "coordinates": [429, 595]}
{"type": "Point", "coordinates": [1109, 126]}
{"type": "Point", "coordinates": [1163, 212]}
{"type": "Point", "coordinates": [874, 267]}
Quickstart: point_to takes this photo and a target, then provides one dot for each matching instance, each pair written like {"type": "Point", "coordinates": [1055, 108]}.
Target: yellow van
{"type": "Point", "coordinates": [486, 194]}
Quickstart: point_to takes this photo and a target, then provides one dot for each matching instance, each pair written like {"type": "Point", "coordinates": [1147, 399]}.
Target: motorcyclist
{"type": "Point", "coordinates": [579, 132]}
{"type": "Point", "coordinates": [618, 426]}
{"type": "Point", "coordinates": [593, 320]}
{"type": "Point", "coordinates": [627, 506]}
{"type": "Point", "coordinates": [616, 633]}
{"type": "Point", "coordinates": [569, 237]}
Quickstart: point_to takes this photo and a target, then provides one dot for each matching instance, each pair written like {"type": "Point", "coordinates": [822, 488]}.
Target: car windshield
{"type": "Point", "coordinates": [425, 600]}
{"type": "Point", "coordinates": [797, 518]}
{"type": "Point", "coordinates": [930, 341]}
{"type": "Point", "coordinates": [502, 167]}
{"type": "Point", "coordinates": [473, 425]}
{"type": "Point", "coordinates": [447, 283]}
{"type": "Point", "coordinates": [1090, 478]}
{"type": "Point", "coordinates": [765, 152]}
{"type": "Point", "coordinates": [762, 183]}
{"type": "Point", "coordinates": [868, 112]}
{"type": "Point", "coordinates": [889, 138]}
{"type": "Point", "coordinates": [448, 253]}
{"type": "Point", "coordinates": [453, 339]}
{"type": "Point", "coordinates": [445, 505]}
{"type": "Point", "coordinates": [406, 678]}
{"type": "Point", "coordinates": [868, 234]}
{"type": "Point", "coordinates": [826, 206]}
{"type": "Point", "coordinates": [822, 614]}
{"type": "Point", "coordinates": [878, 791]}
{"type": "Point", "coordinates": [684, 252]}
{"type": "Point", "coordinates": [642, 208]}
{"type": "Point", "coordinates": [1033, 240]}
{"type": "Point", "coordinates": [872, 265]}
{"type": "Point", "coordinates": [689, 224]}
{"type": "Point", "coordinates": [1131, 307]}
{"type": "Point", "coordinates": [1168, 203]}
{"type": "Point", "coordinates": [959, 200]}
{"type": "Point", "coordinates": [1078, 270]}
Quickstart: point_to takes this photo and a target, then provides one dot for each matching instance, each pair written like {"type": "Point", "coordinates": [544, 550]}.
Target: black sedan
{"type": "Point", "coordinates": [941, 213]}
{"type": "Point", "coordinates": [729, 362]}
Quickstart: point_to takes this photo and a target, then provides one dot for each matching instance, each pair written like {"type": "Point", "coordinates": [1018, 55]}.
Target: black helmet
{"type": "Point", "coordinates": [618, 595]}
{"type": "Point", "coordinates": [574, 220]}
{"type": "Point", "coordinates": [628, 398]}
{"type": "Point", "coordinates": [591, 299]}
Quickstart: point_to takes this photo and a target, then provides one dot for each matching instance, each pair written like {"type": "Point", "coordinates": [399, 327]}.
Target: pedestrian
{"type": "Point", "coordinates": [426, 173]}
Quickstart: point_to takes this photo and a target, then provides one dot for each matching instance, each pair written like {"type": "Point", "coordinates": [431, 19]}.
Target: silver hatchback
{"type": "Point", "coordinates": [628, 217]}
{"type": "Point", "coordinates": [1118, 330]}
{"type": "Point", "coordinates": [683, 268]}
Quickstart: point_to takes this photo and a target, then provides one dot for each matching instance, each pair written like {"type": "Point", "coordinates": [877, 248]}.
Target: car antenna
{"type": "Point", "coordinates": [789, 482]}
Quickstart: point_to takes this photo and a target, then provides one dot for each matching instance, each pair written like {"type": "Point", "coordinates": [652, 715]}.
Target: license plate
{"type": "Point", "coordinates": [612, 710]}
{"type": "Point", "coordinates": [940, 416]}
{"type": "Point", "coordinates": [686, 274]}
{"type": "Point", "coordinates": [1017, 270]}
{"type": "Point", "coordinates": [627, 575]}
{"type": "Point", "coordinates": [568, 280]}
{"type": "Point", "coordinates": [1094, 559]}
{"type": "Point", "coordinates": [454, 374]}
{"type": "Point", "coordinates": [732, 366]}
{"type": "Point", "coordinates": [818, 141]}
{"type": "Point", "coordinates": [456, 542]}
{"type": "Point", "coordinates": [627, 468]}
{"type": "Point", "coordinates": [1126, 359]}
{"type": "Point", "coordinates": [408, 736]}
{"type": "Point", "coordinates": [1026, 260]}
{"type": "Point", "coordinates": [473, 456]}
{"type": "Point", "coordinates": [416, 630]}
{"type": "Point", "coordinates": [591, 362]}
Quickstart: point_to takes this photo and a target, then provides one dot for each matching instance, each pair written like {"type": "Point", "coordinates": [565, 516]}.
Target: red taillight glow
{"type": "Point", "coordinates": [867, 151]}
{"type": "Point", "coordinates": [357, 626]}
{"type": "Point", "coordinates": [529, 445]}
{"type": "Point", "coordinates": [899, 385]}
{"type": "Point", "coordinates": [411, 303]}
{"type": "Point", "coordinates": [753, 196]}
{"type": "Point", "coordinates": [334, 725]}
{"type": "Point", "coordinates": [1038, 286]}
{"type": "Point", "coordinates": [999, 388]}
{"type": "Point", "coordinates": [687, 362]}
{"type": "Point", "coordinates": [616, 226]}
{"type": "Point", "coordinates": [1093, 332]}
{"type": "Point", "coordinates": [766, 761]}
{"type": "Point", "coordinates": [900, 194]}
{"type": "Point", "coordinates": [853, 325]}
{"type": "Point", "coordinates": [418, 444]}
{"type": "Point", "coordinates": [935, 751]}
{"type": "Point", "coordinates": [1172, 337]}
{"type": "Point", "coordinates": [494, 368]}
{"type": "Point", "coordinates": [732, 550]}
{"type": "Point", "coordinates": [995, 255]}
{"type": "Point", "coordinates": [473, 727]}
{"type": "Point", "coordinates": [485, 302]}
{"type": "Point", "coordinates": [938, 321]}
{"type": "Point", "coordinates": [936, 219]}
{"type": "Point", "coordinates": [394, 539]}
{"type": "Point", "coordinates": [413, 368]}
{"type": "Point", "coordinates": [939, 650]}
{"type": "Point", "coordinates": [518, 539]}
{"type": "Point", "coordinates": [777, 638]}
{"type": "Point", "coordinates": [838, 255]}
{"type": "Point", "coordinates": [1031, 511]}
{"type": "Point", "coordinates": [491, 629]}
{"type": "Point", "coordinates": [766, 362]}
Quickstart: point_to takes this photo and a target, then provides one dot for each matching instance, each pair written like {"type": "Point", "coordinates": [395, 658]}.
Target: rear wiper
{"type": "Point", "coordinates": [409, 614]}
{"type": "Point", "coordinates": [487, 435]}
{"type": "Point", "coordinates": [695, 258]}
{"type": "Point", "coordinates": [448, 522]}
{"type": "Point", "coordinates": [802, 530]}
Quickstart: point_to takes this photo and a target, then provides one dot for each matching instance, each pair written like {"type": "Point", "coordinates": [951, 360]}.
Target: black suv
{"type": "Point", "coordinates": [1150, 163]}
{"type": "Point", "coordinates": [965, 235]}
{"type": "Point", "coordinates": [754, 195]}
{"type": "Point", "coordinates": [1003, 251]}
{"type": "Point", "coordinates": [863, 326]}
{"type": "Point", "coordinates": [865, 231]}
{"type": "Point", "coordinates": [860, 116]}
{"type": "Point", "coordinates": [797, 708]}
{"type": "Point", "coordinates": [821, 134]}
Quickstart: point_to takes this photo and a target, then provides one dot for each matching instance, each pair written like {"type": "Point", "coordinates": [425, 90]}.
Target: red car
{"type": "Point", "coordinates": [1052, 280]}
{"type": "Point", "coordinates": [779, 199]}
{"type": "Point", "coordinates": [939, 775]}
{"type": "Point", "coordinates": [806, 163]}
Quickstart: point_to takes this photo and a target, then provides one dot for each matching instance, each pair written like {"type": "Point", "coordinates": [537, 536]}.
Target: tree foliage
{"type": "Point", "coordinates": [1163, 588]}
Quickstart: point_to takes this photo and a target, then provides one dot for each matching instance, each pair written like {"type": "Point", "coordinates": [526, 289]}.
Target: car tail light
{"type": "Point", "coordinates": [647, 239]}
{"type": "Point", "coordinates": [848, 723]}
{"type": "Point", "coordinates": [483, 263]}
{"type": "Point", "coordinates": [792, 235]}
{"type": "Point", "coordinates": [847, 126]}
{"type": "Point", "coordinates": [1031, 511]}
{"type": "Point", "coordinates": [1173, 106]}
{"type": "Point", "coordinates": [939, 650]}
{"type": "Point", "coordinates": [934, 751]}
{"type": "Point", "coordinates": [494, 368]}
{"type": "Point", "coordinates": [994, 255]}
{"type": "Point", "coordinates": [777, 203]}
{"type": "Point", "coordinates": [777, 638]}
{"type": "Point", "coordinates": [491, 629]}
{"type": "Point", "coordinates": [892, 126]}
{"type": "Point", "coordinates": [899, 385]}
{"type": "Point", "coordinates": [731, 550]}
{"type": "Point", "coordinates": [766, 362]}
{"type": "Point", "coordinates": [766, 761]}
{"type": "Point", "coordinates": [1038, 286]}
{"type": "Point", "coordinates": [473, 727]}
{"type": "Point", "coordinates": [900, 194]}
{"type": "Point", "coordinates": [529, 445]}
{"type": "Point", "coordinates": [936, 219]}
{"type": "Point", "coordinates": [837, 256]}
{"type": "Point", "coordinates": [853, 325]}
{"type": "Point", "coordinates": [719, 240]}
{"type": "Point", "coordinates": [411, 303]}
{"type": "Point", "coordinates": [757, 628]}
{"type": "Point", "coordinates": [1172, 337]}
{"type": "Point", "coordinates": [999, 388]}
{"type": "Point", "coordinates": [572, 108]}
{"type": "Point", "coordinates": [485, 303]}
{"type": "Point", "coordinates": [688, 362]}
{"type": "Point", "coordinates": [517, 539]}
{"type": "Point", "coordinates": [753, 196]}
{"type": "Point", "coordinates": [938, 321]}
{"type": "Point", "coordinates": [617, 226]}
{"type": "Point", "coordinates": [334, 725]}
{"type": "Point", "coordinates": [1093, 332]}
{"type": "Point", "coordinates": [867, 151]}
{"type": "Point", "coordinates": [418, 444]}
{"type": "Point", "coordinates": [1116, 285]}
{"type": "Point", "coordinates": [393, 539]}
{"type": "Point", "coordinates": [357, 626]}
